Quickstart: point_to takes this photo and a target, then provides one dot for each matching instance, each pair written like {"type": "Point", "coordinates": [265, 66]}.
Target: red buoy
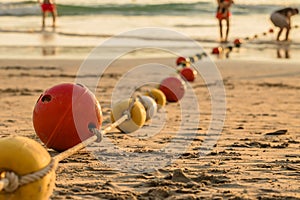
{"type": "Point", "coordinates": [237, 43]}
{"type": "Point", "coordinates": [173, 88]}
{"type": "Point", "coordinates": [216, 50]}
{"type": "Point", "coordinates": [63, 115]}
{"type": "Point", "coordinates": [188, 74]}
{"type": "Point", "coordinates": [271, 30]}
{"type": "Point", "coordinates": [181, 60]}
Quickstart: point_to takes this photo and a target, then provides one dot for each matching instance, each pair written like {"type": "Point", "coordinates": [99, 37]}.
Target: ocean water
{"type": "Point", "coordinates": [85, 24]}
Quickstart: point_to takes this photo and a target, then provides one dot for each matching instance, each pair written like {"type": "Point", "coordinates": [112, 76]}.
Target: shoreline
{"type": "Point", "coordinates": [274, 53]}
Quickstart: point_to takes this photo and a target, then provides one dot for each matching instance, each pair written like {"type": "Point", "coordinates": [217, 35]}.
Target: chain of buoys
{"type": "Point", "coordinates": [237, 43]}
{"type": "Point", "coordinates": [186, 61]}
{"type": "Point", "coordinates": [67, 118]}
{"type": "Point", "coordinates": [184, 67]}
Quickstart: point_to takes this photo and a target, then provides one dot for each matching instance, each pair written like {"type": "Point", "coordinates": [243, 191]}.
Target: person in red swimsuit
{"type": "Point", "coordinates": [48, 6]}
{"type": "Point", "coordinates": [223, 13]}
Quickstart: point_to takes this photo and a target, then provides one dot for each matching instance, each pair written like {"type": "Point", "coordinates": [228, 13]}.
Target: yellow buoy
{"type": "Point", "coordinates": [24, 156]}
{"type": "Point", "coordinates": [137, 115]}
{"type": "Point", "coordinates": [158, 96]}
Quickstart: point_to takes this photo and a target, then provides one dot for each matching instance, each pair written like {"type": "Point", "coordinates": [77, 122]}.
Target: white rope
{"type": "Point", "coordinates": [4, 182]}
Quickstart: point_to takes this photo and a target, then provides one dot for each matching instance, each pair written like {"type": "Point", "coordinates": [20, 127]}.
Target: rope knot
{"type": "Point", "coordinates": [98, 133]}
{"type": "Point", "coordinates": [127, 112]}
{"type": "Point", "coordinates": [13, 181]}
{"type": "Point", "coordinates": [130, 107]}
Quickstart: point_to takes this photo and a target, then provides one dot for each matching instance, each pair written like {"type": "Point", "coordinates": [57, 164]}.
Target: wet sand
{"type": "Point", "coordinates": [256, 157]}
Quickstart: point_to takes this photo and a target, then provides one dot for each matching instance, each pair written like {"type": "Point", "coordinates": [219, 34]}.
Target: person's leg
{"type": "Point", "coordinates": [43, 19]}
{"type": "Point", "coordinates": [287, 34]}
{"type": "Point", "coordinates": [221, 29]}
{"type": "Point", "coordinates": [54, 14]}
{"type": "Point", "coordinates": [287, 53]}
{"type": "Point", "coordinates": [278, 52]}
{"type": "Point", "coordinates": [279, 33]}
{"type": "Point", "coordinates": [227, 29]}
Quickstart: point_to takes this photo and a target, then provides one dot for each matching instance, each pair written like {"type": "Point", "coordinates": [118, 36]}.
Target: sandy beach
{"type": "Point", "coordinates": [256, 156]}
{"type": "Point", "coordinates": [234, 134]}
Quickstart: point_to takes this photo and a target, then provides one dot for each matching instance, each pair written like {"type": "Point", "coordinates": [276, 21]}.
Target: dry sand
{"type": "Point", "coordinates": [250, 160]}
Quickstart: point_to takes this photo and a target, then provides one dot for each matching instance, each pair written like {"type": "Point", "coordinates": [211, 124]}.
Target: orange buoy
{"type": "Point", "coordinates": [173, 88]}
{"type": "Point", "coordinates": [64, 114]}
{"type": "Point", "coordinates": [188, 74]}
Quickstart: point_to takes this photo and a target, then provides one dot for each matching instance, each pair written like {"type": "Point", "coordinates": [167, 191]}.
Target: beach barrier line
{"type": "Point", "coordinates": [10, 181]}
{"type": "Point", "coordinates": [238, 42]}
{"type": "Point", "coordinates": [186, 61]}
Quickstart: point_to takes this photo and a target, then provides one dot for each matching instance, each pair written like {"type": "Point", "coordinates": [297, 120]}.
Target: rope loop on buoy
{"type": "Point", "coordinates": [97, 133]}
{"type": "Point", "coordinates": [130, 107]}
{"type": "Point", "coordinates": [10, 181]}
{"type": "Point", "coordinates": [151, 95]}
